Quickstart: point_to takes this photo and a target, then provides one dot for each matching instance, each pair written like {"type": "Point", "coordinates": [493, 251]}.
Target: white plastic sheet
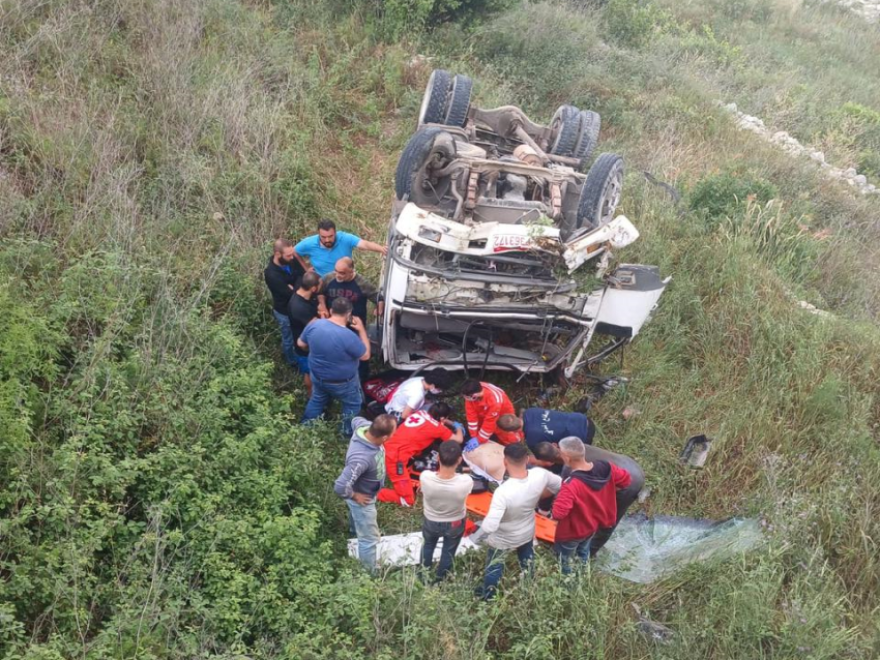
{"type": "Point", "coordinates": [644, 549]}
{"type": "Point", "coordinates": [641, 549]}
{"type": "Point", "coordinates": [405, 549]}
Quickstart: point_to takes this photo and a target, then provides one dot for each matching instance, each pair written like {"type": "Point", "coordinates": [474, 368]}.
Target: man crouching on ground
{"type": "Point", "coordinates": [586, 502]}
{"type": "Point", "coordinates": [361, 479]}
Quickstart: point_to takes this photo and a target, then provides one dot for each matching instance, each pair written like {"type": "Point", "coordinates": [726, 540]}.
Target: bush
{"type": "Point", "coordinates": [727, 194]}
{"type": "Point", "coordinates": [635, 23]}
{"type": "Point", "coordinates": [403, 18]}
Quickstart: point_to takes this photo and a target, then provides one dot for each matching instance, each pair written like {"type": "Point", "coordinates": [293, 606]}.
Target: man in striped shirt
{"type": "Point", "coordinates": [484, 404]}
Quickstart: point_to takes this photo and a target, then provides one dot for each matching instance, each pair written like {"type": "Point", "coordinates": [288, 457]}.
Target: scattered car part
{"type": "Point", "coordinates": [695, 451]}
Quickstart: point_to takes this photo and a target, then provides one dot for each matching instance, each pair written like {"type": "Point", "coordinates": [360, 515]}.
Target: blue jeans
{"type": "Point", "coordinates": [286, 337]}
{"type": "Point", "coordinates": [495, 566]}
{"type": "Point", "coordinates": [348, 393]}
{"type": "Point", "coordinates": [432, 532]}
{"type": "Point", "coordinates": [362, 522]}
{"type": "Point", "coordinates": [565, 550]}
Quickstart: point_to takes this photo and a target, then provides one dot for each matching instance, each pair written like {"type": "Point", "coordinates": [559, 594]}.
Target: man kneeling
{"type": "Point", "coordinates": [587, 502]}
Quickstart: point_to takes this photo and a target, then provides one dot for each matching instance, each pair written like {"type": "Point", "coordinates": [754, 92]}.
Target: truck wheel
{"type": "Point", "coordinates": [428, 150]}
{"type": "Point", "coordinates": [433, 109]}
{"type": "Point", "coordinates": [601, 192]}
{"type": "Point", "coordinates": [459, 102]}
{"type": "Point", "coordinates": [591, 122]}
{"type": "Point", "coordinates": [565, 129]}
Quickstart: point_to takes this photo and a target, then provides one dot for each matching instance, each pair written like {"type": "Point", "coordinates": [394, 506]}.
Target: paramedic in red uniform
{"type": "Point", "coordinates": [484, 404]}
{"type": "Point", "coordinates": [413, 436]}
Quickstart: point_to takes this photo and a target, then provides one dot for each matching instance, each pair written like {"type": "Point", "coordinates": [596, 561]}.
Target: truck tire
{"type": "Point", "coordinates": [459, 101]}
{"type": "Point", "coordinates": [591, 122]}
{"type": "Point", "coordinates": [601, 192]}
{"type": "Point", "coordinates": [566, 128]}
{"type": "Point", "coordinates": [433, 110]}
{"type": "Point", "coordinates": [429, 148]}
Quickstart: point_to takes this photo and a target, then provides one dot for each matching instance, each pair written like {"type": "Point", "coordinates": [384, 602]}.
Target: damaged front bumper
{"type": "Point", "coordinates": [499, 295]}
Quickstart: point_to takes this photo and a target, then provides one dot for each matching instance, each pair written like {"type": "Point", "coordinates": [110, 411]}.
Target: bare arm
{"type": "Point", "coordinates": [358, 326]}
{"type": "Point", "coordinates": [369, 246]}
{"type": "Point", "coordinates": [306, 267]}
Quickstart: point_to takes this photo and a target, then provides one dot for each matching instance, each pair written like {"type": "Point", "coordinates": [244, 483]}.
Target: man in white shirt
{"type": "Point", "coordinates": [410, 396]}
{"type": "Point", "coordinates": [444, 493]}
{"type": "Point", "coordinates": [510, 523]}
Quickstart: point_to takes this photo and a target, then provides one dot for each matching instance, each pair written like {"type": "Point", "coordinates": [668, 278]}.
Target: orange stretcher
{"type": "Point", "coordinates": [545, 529]}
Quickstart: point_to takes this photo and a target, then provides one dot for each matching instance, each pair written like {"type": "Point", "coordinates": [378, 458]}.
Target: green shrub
{"type": "Point", "coordinates": [727, 193]}
{"type": "Point", "coordinates": [405, 18]}
{"type": "Point", "coordinates": [635, 23]}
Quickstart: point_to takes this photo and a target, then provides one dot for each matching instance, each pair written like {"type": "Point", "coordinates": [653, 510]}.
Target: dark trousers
{"type": "Point", "coordinates": [565, 550]}
{"type": "Point", "coordinates": [495, 566]}
{"type": "Point", "coordinates": [432, 532]}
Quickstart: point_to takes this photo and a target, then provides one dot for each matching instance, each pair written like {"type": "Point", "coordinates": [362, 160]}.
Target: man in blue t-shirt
{"type": "Point", "coordinates": [539, 425]}
{"type": "Point", "coordinates": [334, 355]}
{"type": "Point", "coordinates": [326, 247]}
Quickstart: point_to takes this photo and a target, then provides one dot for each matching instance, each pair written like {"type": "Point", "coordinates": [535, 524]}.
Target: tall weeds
{"type": "Point", "coordinates": [158, 502]}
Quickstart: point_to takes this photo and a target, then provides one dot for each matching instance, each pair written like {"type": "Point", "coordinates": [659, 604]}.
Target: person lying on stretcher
{"type": "Point", "coordinates": [413, 436]}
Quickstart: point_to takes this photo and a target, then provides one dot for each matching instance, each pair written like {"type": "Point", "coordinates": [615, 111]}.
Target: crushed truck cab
{"type": "Point", "coordinates": [493, 234]}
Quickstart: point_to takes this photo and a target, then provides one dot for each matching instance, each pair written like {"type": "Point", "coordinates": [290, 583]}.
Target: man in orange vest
{"type": "Point", "coordinates": [484, 404]}
{"type": "Point", "coordinates": [413, 436]}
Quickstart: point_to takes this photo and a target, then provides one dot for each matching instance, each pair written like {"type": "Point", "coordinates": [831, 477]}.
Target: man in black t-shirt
{"type": "Point", "coordinates": [345, 282]}
{"type": "Point", "coordinates": [282, 276]}
{"type": "Point", "coordinates": [302, 309]}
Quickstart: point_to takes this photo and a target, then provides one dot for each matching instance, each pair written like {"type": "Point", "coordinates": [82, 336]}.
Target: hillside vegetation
{"type": "Point", "coordinates": [158, 499]}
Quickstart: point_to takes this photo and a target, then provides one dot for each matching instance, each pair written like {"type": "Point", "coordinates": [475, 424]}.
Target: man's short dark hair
{"type": "Point", "coordinates": [340, 307]}
{"type": "Point", "coordinates": [439, 378]}
{"type": "Point", "coordinates": [280, 244]}
{"type": "Point", "coordinates": [516, 453]}
{"type": "Point", "coordinates": [383, 426]}
{"type": "Point", "coordinates": [325, 224]}
{"type": "Point", "coordinates": [310, 280]}
{"type": "Point", "coordinates": [546, 451]}
{"type": "Point", "coordinates": [471, 386]}
{"type": "Point", "coordinates": [450, 452]}
{"type": "Point", "coordinates": [509, 423]}
{"type": "Point", "coordinates": [440, 410]}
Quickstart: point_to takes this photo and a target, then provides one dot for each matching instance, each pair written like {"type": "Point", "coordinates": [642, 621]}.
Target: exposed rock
{"type": "Point", "coordinates": [867, 9]}
{"type": "Point", "coordinates": [793, 147]}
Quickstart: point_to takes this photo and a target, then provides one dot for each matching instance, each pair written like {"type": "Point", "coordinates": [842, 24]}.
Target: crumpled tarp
{"type": "Point", "coordinates": [641, 549]}
{"type": "Point", "coordinates": [405, 549]}
{"type": "Point", "coordinates": [644, 549]}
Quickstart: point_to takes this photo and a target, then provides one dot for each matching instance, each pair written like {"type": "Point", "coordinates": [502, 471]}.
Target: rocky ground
{"type": "Point", "coordinates": [792, 146]}
{"type": "Point", "coordinates": [867, 9]}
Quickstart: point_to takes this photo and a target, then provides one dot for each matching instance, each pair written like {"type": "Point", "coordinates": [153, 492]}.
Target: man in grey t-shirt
{"type": "Point", "coordinates": [444, 493]}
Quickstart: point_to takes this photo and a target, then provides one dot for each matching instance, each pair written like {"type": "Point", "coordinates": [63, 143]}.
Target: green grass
{"type": "Point", "coordinates": [158, 500]}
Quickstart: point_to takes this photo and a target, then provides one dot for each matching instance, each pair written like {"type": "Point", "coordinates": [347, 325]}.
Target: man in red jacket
{"type": "Point", "coordinates": [413, 436]}
{"type": "Point", "coordinates": [484, 403]}
{"type": "Point", "coordinates": [587, 502]}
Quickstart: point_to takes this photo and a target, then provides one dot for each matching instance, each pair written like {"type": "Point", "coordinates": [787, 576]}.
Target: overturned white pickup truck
{"type": "Point", "coordinates": [492, 216]}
